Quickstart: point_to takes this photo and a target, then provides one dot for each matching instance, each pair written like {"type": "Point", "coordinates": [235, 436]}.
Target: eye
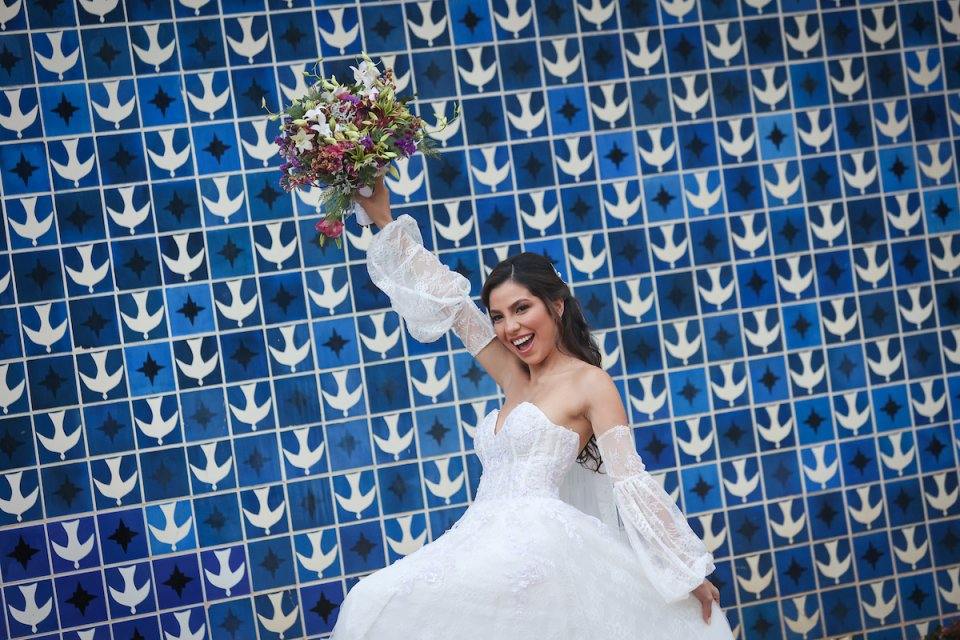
{"type": "Point", "coordinates": [521, 307]}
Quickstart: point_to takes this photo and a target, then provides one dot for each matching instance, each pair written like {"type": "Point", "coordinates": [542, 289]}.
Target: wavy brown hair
{"type": "Point", "coordinates": [536, 272]}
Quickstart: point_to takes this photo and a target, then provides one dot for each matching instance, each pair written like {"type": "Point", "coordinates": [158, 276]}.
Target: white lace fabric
{"type": "Point", "coordinates": [520, 564]}
{"type": "Point", "coordinates": [673, 556]}
{"type": "Point", "coordinates": [430, 297]}
{"type": "Point", "coordinates": [523, 562]}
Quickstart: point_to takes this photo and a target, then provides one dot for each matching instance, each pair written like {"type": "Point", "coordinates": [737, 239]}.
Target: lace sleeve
{"type": "Point", "coordinates": [674, 557]}
{"type": "Point", "coordinates": [429, 297]}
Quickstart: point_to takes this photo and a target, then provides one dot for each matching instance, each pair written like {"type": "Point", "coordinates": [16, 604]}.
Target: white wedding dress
{"type": "Point", "coordinates": [522, 563]}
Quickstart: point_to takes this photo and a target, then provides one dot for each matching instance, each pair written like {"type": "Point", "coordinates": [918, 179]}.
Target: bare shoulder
{"type": "Point", "coordinates": [603, 406]}
{"type": "Point", "coordinates": [595, 379]}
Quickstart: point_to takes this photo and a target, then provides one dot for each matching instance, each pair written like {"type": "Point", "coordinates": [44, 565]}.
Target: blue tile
{"type": "Point", "coordinates": [770, 187]}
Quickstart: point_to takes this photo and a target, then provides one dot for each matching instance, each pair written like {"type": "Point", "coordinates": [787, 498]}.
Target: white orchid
{"type": "Point", "coordinates": [322, 128]}
{"type": "Point", "coordinates": [365, 73]}
{"type": "Point", "coordinates": [314, 114]}
{"type": "Point", "coordinates": [303, 140]}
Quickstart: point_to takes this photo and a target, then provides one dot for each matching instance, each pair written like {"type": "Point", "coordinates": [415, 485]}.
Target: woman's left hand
{"type": "Point", "coordinates": [377, 205]}
{"type": "Point", "coordinates": [707, 594]}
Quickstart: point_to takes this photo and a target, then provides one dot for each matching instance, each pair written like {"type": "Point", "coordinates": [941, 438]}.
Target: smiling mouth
{"type": "Point", "coordinates": [524, 347]}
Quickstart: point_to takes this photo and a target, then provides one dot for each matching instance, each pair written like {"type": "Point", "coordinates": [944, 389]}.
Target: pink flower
{"type": "Point", "coordinates": [330, 228]}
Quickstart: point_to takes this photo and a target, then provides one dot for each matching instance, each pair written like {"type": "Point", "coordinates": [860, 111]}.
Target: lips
{"type": "Point", "coordinates": [526, 346]}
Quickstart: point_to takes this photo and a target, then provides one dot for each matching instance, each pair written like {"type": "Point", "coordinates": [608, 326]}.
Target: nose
{"type": "Point", "coordinates": [513, 326]}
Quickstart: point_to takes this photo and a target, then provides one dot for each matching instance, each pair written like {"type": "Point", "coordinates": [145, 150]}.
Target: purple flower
{"type": "Point", "coordinates": [406, 145]}
{"type": "Point", "coordinates": [349, 97]}
{"type": "Point", "coordinates": [367, 142]}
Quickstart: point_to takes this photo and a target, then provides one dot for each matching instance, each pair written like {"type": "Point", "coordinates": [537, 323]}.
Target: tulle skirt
{"type": "Point", "coordinates": [523, 569]}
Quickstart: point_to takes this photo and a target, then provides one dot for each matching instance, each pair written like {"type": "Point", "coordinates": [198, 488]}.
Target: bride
{"type": "Point", "coordinates": [522, 562]}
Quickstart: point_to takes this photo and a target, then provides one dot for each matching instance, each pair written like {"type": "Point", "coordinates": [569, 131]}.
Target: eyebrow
{"type": "Point", "coordinates": [514, 304]}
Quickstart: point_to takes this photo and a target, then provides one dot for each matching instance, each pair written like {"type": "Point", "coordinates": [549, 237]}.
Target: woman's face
{"type": "Point", "coordinates": [517, 314]}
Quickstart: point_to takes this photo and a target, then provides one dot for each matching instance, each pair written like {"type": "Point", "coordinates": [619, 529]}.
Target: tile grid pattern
{"type": "Point", "coordinates": [756, 203]}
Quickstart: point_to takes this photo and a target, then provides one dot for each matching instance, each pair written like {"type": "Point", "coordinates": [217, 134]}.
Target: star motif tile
{"type": "Point", "coordinates": [756, 205]}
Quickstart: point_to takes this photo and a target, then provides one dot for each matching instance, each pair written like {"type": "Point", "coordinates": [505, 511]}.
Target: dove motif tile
{"type": "Point", "coordinates": [210, 424]}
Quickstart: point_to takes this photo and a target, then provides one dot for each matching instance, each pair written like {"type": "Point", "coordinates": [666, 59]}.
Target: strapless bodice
{"type": "Point", "coordinates": [528, 457]}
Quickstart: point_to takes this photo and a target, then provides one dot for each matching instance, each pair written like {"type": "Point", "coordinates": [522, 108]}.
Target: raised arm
{"type": "Point", "coordinates": [430, 297]}
{"type": "Point", "coordinates": [674, 558]}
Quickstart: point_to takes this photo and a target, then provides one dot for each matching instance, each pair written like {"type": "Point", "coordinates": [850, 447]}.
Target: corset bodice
{"type": "Point", "coordinates": [528, 457]}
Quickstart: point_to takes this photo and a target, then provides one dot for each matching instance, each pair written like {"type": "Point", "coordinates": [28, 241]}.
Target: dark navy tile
{"type": "Point", "coordinates": [106, 52]}
{"type": "Point", "coordinates": [25, 553]}
{"type": "Point", "coordinates": [81, 599]}
{"type": "Point", "coordinates": [201, 44]}
{"type": "Point", "coordinates": [165, 474]}
{"type": "Point", "coordinates": [271, 563]}
{"type": "Point", "coordinates": [178, 581]}
{"type": "Point", "coordinates": [15, 52]}
{"type": "Point", "coordinates": [218, 519]}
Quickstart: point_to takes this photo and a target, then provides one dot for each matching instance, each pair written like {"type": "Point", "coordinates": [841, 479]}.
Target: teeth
{"type": "Point", "coordinates": [519, 342]}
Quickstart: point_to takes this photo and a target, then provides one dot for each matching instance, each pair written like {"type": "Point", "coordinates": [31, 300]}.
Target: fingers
{"type": "Point", "coordinates": [707, 610]}
{"type": "Point", "coordinates": [377, 191]}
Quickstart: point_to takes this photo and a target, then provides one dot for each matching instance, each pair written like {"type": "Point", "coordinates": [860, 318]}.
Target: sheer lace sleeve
{"type": "Point", "coordinates": [430, 297]}
{"type": "Point", "coordinates": [675, 558]}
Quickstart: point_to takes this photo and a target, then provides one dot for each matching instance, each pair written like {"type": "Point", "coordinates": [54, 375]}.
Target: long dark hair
{"type": "Point", "coordinates": [536, 272]}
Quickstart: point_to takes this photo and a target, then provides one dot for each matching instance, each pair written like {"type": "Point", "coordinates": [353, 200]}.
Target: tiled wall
{"type": "Point", "coordinates": [212, 425]}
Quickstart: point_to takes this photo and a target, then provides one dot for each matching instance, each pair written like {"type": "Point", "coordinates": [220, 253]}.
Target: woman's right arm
{"type": "Point", "coordinates": [430, 297]}
{"type": "Point", "coordinates": [674, 557]}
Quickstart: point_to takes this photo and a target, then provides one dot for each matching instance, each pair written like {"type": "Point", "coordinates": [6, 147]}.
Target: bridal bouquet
{"type": "Point", "coordinates": [343, 136]}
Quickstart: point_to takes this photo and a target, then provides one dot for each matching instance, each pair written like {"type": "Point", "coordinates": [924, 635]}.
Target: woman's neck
{"type": "Point", "coordinates": [553, 364]}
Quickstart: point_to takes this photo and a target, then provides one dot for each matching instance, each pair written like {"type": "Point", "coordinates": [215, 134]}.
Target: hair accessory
{"type": "Point", "coordinates": [558, 275]}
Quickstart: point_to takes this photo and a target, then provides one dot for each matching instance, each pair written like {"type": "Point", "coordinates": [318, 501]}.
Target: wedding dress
{"type": "Point", "coordinates": [522, 563]}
